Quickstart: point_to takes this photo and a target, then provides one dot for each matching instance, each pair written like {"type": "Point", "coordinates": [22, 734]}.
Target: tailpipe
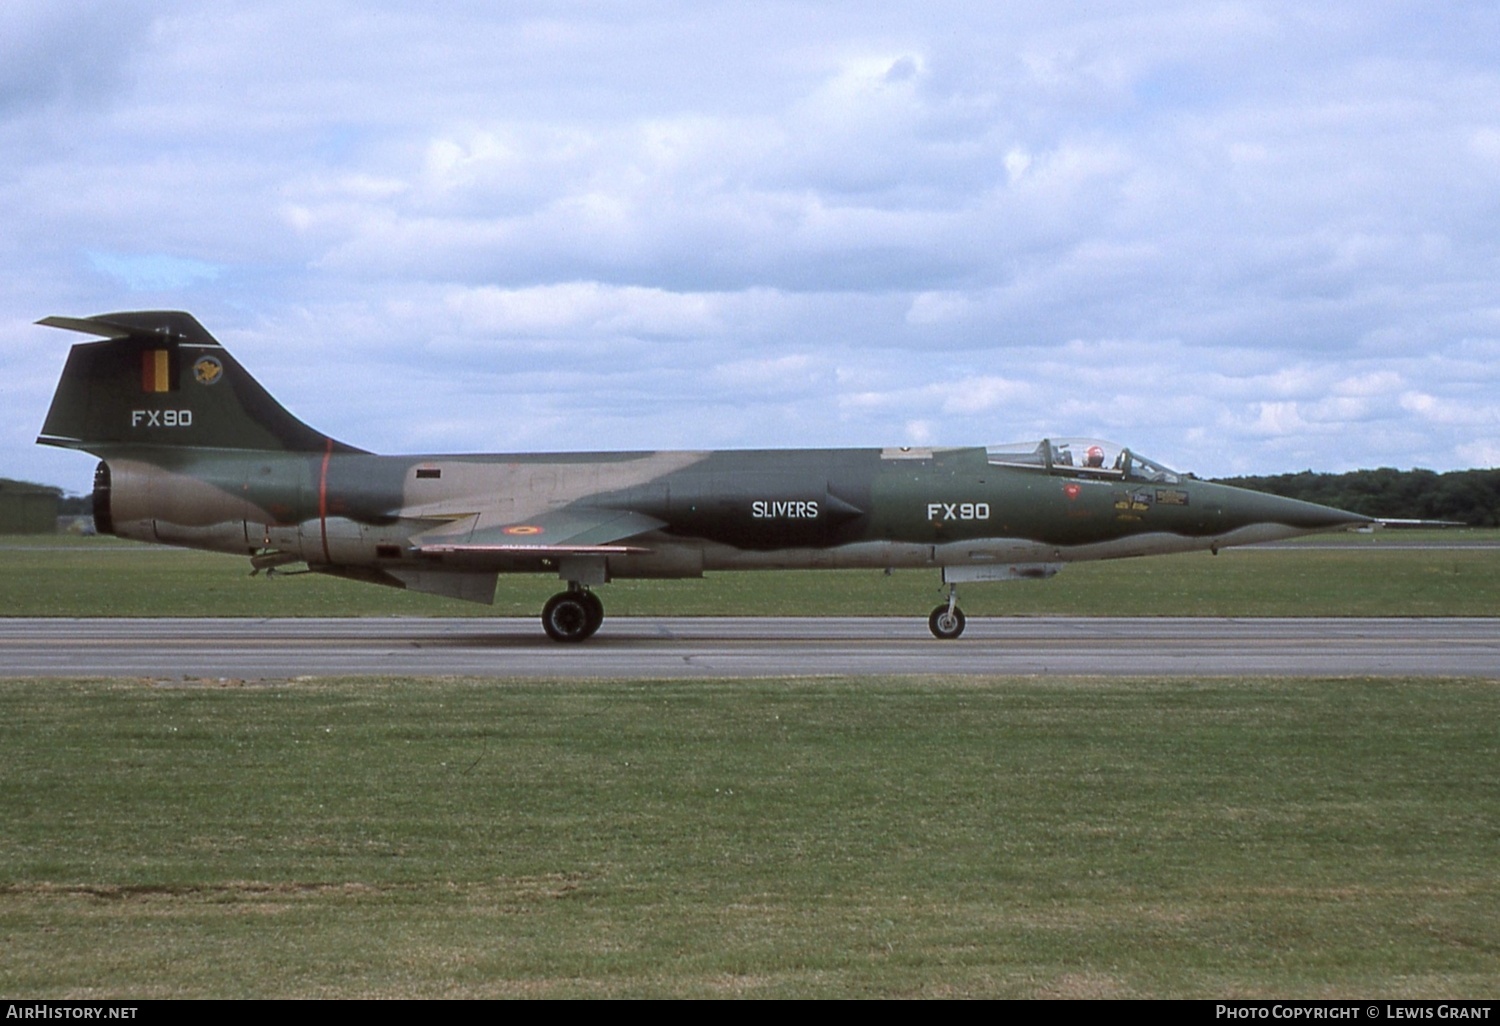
{"type": "Point", "coordinates": [104, 520]}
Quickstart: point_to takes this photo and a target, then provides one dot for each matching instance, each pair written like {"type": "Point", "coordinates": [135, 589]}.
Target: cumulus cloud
{"type": "Point", "coordinates": [147, 272]}
{"type": "Point", "coordinates": [1241, 237]}
{"type": "Point", "coordinates": [55, 56]}
{"type": "Point", "coordinates": [583, 309]}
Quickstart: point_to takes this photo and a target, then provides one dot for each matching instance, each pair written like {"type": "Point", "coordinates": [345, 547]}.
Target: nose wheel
{"type": "Point", "coordinates": [946, 623]}
{"type": "Point", "coordinates": [572, 615]}
{"type": "Point", "coordinates": [947, 620]}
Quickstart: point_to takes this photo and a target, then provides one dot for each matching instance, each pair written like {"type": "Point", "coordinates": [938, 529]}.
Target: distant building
{"type": "Point", "coordinates": [27, 508]}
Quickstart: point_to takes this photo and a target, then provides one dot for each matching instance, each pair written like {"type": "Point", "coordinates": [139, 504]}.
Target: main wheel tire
{"type": "Point", "coordinates": [568, 615]}
{"type": "Point", "coordinates": [596, 612]}
{"type": "Point", "coordinates": [946, 625]}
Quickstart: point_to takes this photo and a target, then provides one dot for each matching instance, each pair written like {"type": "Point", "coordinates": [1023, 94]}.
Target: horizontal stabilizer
{"type": "Point", "coordinates": [151, 325]}
{"type": "Point", "coordinates": [86, 325]}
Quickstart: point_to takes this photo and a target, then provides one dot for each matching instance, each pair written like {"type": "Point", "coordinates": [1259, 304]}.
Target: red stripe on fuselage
{"type": "Point", "coordinates": [323, 499]}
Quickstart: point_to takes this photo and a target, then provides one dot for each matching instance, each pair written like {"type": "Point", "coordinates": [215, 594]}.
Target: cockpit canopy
{"type": "Point", "coordinates": [1081, 457]}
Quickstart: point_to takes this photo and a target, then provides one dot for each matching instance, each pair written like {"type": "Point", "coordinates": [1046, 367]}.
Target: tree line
{"type": "Point", "coordinates": [1469, 496]}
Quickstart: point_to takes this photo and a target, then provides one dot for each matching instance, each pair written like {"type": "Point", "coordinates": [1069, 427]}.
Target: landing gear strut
{"type": "Point", "coordinates": [572, 615]}
{"type": "Point", "coordinates": [947, 620]}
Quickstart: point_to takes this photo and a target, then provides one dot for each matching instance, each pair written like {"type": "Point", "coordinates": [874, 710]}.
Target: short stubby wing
{"type": "Point", "coordinates": [570, 531]}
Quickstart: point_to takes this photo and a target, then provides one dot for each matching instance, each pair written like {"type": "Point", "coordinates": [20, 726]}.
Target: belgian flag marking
{"type": "Point", "coordinates": [156, 370]}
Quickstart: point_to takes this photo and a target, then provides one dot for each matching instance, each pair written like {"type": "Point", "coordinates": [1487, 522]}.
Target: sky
{"type": "Point", "coordinates": [1241, 237]}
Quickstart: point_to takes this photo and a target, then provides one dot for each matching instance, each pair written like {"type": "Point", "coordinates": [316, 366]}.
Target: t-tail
{"type": "Point", "coordinates": [160, 379]}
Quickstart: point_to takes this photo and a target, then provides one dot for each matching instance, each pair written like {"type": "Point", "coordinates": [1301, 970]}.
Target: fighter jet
{"type": "Point", "coordinates": [194, 452]}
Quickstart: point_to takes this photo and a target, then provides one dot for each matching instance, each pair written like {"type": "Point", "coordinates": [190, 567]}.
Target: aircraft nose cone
{"type": "Point", "coordinates": [1327, 517]}
{"type": "Point", "coordinates": [1246, 507]}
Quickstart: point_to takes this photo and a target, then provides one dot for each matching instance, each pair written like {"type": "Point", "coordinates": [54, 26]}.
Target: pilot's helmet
{"type": "Point", "coordinates": [1095, 456]}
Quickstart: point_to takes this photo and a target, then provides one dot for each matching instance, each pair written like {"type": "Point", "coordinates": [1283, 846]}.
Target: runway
{"type": "Point", "coordinates": [706, 648]}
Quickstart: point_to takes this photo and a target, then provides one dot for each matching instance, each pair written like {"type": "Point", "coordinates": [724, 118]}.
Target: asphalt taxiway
{"type": "Point", "coordinates": [632, 648]}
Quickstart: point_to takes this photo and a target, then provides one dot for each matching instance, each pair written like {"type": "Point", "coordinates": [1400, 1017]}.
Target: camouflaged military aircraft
{"type": "Point", "coordinates": [195, 452]}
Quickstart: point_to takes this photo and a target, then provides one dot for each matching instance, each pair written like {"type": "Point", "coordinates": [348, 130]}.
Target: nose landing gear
{"type": "Point", "coordinates": [947, 620]}
{"type": "Point", "coordinates": [572, 615]}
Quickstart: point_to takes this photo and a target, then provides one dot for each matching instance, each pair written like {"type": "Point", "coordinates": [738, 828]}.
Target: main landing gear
{"type": "Point", "coordinates": [572, 615]}
{"type": "Point", "coordinates": [947, 620]}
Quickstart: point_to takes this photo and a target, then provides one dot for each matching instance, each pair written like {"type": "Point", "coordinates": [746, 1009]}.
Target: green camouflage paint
{"type": "Point", "coordinates": [195, 452]}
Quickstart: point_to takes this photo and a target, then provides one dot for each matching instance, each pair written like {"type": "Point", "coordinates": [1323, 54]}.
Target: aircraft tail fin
{"type": "Point", "coordinates": [159, 378]}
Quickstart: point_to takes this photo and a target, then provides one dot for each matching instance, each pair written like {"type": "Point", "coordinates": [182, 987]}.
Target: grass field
{"type": "Point", "coordinates": [1371, 576]}
{"type": "Point", "coordinates": [870, 837]}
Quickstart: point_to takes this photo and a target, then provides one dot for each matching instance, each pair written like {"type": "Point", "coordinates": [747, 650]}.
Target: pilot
{"type": "Point", "coordinates": [1095, 457]}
